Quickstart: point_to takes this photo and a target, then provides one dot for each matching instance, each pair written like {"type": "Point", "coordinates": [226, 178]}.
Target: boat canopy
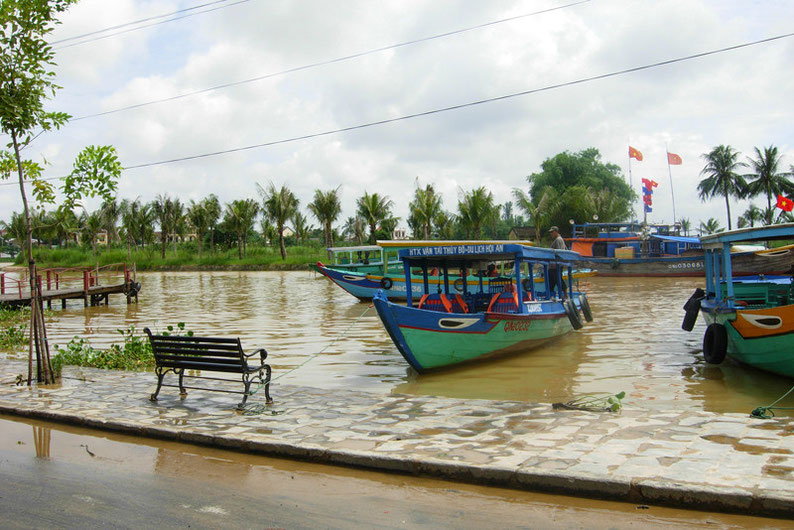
{"type": "Point", "coordinates": [459, 255]}
{"type": "Point", "coordinates": [678, 239]}
{"type": "Point", "coordinates": [758, 233]}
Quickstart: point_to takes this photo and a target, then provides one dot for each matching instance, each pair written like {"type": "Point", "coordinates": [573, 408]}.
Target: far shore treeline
{"type": "Point", "coordinates": [275, 231]}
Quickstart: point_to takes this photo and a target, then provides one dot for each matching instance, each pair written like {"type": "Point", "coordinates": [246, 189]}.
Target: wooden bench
{"type": "Point", "coordinates": [176, 353]}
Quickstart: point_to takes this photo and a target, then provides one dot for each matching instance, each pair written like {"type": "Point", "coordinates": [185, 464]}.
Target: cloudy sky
{"type": "Point", "coordinates": [742, 98]}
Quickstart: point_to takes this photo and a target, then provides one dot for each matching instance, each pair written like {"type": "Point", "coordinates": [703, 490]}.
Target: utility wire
{"type": "Point", "coordinates": [462, 105]}
{"type": "Point", "coordinates": [465, 105]}
{"type": "Point", "coordinates": [134, 22]}
{"type": "Point", "coordinates": [147, 25]}
{"type": "Point", "coordinates": [330, 61]}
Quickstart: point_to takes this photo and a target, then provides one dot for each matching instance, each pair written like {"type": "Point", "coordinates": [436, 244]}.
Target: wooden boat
{"type": "Point", "coordinates": [365, 259]}
{"type": "Point", "coordinates": [750, 319]}
{"type": "Point", "coordinates": [630, 249]}
{"type": "Point", "coordinates": [443, 327]}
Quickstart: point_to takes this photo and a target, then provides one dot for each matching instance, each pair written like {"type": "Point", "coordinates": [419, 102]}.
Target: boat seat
{"type": "Point", "coordinates": [435, 302]}
{"type": "Point", "coordinates": [458, 304]}
{"type": "Point", "coordinates": [504, 302]}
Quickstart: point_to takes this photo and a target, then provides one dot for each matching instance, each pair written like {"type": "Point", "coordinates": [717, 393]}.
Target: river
{"type": "Point", "coordinates": [331, 340]}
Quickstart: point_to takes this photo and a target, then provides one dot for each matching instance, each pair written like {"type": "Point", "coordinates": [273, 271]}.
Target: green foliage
{"type": "Point", "coordinates": [134, 354]}
{"type": "Point", "coordinates": [13, 327]}
{"type": "Point", "coordinates": [583, 186]}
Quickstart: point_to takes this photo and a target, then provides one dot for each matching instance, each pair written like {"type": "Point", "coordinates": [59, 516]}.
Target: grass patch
{"type": "Point", "coordinates": [14, 327]}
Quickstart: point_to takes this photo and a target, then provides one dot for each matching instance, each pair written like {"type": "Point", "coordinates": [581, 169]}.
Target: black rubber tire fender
{"type": "Point", "coordinates": [715, 343]}
{"type": "Point", "coordinates": [386, 282]}
{"type": "Point", "coordinates": [573, 314]}
{"type": "Point", "coordinates": [692, 308]}
{"type": "Point", "coordinates": [458, 285]}
{"type": "Point", "coordinates": [585, 304]}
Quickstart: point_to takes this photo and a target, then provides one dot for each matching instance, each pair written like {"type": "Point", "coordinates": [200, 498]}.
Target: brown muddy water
{"type": "Point", "coordinates": [634, 345]}
{"type": "Point", "coordinates": [82, 478]}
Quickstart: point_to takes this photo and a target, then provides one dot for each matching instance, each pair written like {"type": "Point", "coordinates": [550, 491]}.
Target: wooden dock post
{"type": "Point", "coordinates": [2, 283]}
{"type": "Point", "coordinates": [85, 287]}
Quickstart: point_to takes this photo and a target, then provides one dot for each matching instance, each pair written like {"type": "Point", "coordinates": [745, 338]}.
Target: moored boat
{"type": "Point", "coordinates": [443, 327]}
{"type": "Point", "coordinates": [750, 319]}
{"type": "Point", "coordinates": [631, 249]}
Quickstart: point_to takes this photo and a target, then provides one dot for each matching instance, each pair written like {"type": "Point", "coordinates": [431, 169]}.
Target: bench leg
{"type": "Point", "coordinates": [247, 383]}
{"type": "Point", "coordinates": [182, 389]}
{"type": "Point", "coordinates": [268, 399]}
{"type": "Point", "coordinates": [160, 374]}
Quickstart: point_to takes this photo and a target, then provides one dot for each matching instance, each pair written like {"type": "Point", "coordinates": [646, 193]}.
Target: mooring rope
{"type": "Point", "coordinates": [255, 409]}
{"type": "Point", "coordinates": [766, 413]}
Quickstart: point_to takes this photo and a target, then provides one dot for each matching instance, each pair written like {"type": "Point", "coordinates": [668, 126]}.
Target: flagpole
{"type": "Point", "coordinates": [631, 182]}
{"type": "Point", "coordinates": [670, 173]}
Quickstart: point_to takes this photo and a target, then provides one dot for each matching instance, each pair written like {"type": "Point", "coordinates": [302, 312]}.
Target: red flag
{"type": "Point", "coordinates": [785, 204]}
{"type": "Point", "coordinates": [650, 184]}
{"type": "Point", "coordinates": [674, 160]}
{"type": "Point", "coordinates": [633, 153]}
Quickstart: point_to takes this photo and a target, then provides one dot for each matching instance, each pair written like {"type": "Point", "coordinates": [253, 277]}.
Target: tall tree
{"type": "Point", "coordinates": [300, 226]}
{"type": "Point", "coordinates": [355, 229]}
{"type": "Point", "coordinates": [424, 207]}
{"type": "Point", "coordinates": [176, 221]}
{"type": "Point", "coordinates": [374, 209]}
{"type": "Point", "coordinates": [538, 211]}
{"type": "Point", "coordinates": [326, 208]}
{"type": "Point", "coordinates": [162, 206]}
{"type": "Point", "coordinates": [721, 175]}
{"type": "Point", "coordinates": [27, 80]}
{"type": "Point", "coordinates": [199, 220]}
{"type": "Point", "coordinates": [753, 214]}
{"type": "Point", "coordinates": [110, 213]}
{"type": "Point", "coordinates": [475, 208]}
{"type": "Point", "coordinates": [90, 225]}
{"type": "Point", "coordinates": [65, 224]}
{"type": "Point", "coordinates": [279, 205]}
{"type": "Point", "coordinates": [766, 177]}
{"type": "Point", "coordinates": [711, 226]}
{"type": "Point", "coordinates": [240, 216]}
{"type": "Point", "coordinates": [686, 225]}
{"type": "Point", "coordinates": [213, 207]}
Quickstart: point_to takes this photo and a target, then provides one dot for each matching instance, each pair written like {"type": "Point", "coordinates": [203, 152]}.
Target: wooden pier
{"type": "Point", "coordinates": [92, 285]}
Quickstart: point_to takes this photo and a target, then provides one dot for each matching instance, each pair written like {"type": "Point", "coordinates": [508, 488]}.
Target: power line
{"type": "Point", "coordinates": [460, 106]}
{"type": "Point", "coordinates": [330, 61]}
{"type": "Point", "coordinates": [465, 105]}
{"type": "Point", "coordinates": [148, 25]}
{"type": "Point", "coordinates": [111, 28]}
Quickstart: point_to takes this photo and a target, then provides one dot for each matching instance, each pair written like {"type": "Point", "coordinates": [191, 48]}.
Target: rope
{"type": "Point", "coordinates": [256, 409]}
{"type": "Point", "coordinates": [767, 413]}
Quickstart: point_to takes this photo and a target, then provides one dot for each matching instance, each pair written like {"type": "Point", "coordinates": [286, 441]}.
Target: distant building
{"type": "Point", "coordinates": [522, 233]}
{"type": "Point", "coordinates": [399, 233]}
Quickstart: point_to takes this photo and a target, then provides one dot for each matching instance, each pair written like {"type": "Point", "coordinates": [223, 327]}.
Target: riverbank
{"type": "Point", "coordinates": [721, 462]}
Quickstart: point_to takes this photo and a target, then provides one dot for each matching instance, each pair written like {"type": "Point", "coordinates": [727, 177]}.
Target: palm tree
{"type": "Point", "coordinates": [710, 227]}
{"type": "Point", "coordinates": [240, 216]}
{"type": "Point", "coordinates": [355, 228]}
{"type": "Point", "coordinates": [64, 223]}
{"type": "Point", "coordinates": [110, 212]}
{"type": "Point", "coordinates": [177, 221]}
{"type": "Point", "coordinates": [475, 208]}
{"type": "Point", "coordinates": [374, 209]}
{"type": "Point", "coordinates": [326, 209]}
{"type": "Point", "coordinates": [721, 176]}
{"type": "Point", "coordinates": [765, 178]}
{"type": "Point", "coordinates": [161, 206]}
{"type": "Point", "coordinates": [300, 226]}
{"type": "Point", "coordinates": [91, 224]}
{"type": "Point", "coordinates": [753, 214]}
{"type": "Point", "coordinates": [18, 228]}
{"type": "Point", "coordinates": [445, 224]}
{"type": "Point", "coordinates": [424, 208]}
{"type": "Point", "coordinates": [280, 205]}
{"type": "Point", "coordinates": [538, 212]}
{"type": "Point", "coordinates": [213, 207]}
{"type": "Point", "coordinates": [507, 213]}
{"type": "Point", "coordinates": [686, 225]}
{"type": "Point", "coordinates": [144, 220]}
{"type": "Point", "coordinates": [199, 220]}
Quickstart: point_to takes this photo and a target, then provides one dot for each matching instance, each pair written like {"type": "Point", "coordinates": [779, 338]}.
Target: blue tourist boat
{"type": "Point", "coordinates": [443, 327]}
{"type": "Point", "coordinates": [750, 319]}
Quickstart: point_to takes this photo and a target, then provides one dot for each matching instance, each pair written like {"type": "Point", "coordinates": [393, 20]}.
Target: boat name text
{"type": "Point", "coordinates": [454, 250]}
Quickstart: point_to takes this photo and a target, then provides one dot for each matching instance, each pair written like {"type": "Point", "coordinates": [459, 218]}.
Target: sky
{"type": "Point", "coordinates": [741, 98]}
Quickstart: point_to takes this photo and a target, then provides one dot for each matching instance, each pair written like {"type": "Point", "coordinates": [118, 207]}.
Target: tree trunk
{"type": "Point", "coordinates": [281, 242]}
{"type": "Point", "coordinates": [201, 243]}
{"type": "Point", "coordinates": [728, 206]}
{"type": "Point", "coordinates": [162, 241]}
{"type": "Point", "coordinates": [38, 334]}
{"type": "Point", "coordinates": [239, 245]}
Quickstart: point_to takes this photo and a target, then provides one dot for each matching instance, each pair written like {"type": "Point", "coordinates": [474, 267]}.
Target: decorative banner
{"type": "Point", "coordinates": [650, 184]}
{"type": "Point", "coordinates": [633, 153]}
{"type": "Point", "coordinates": [648, 209]}
{"type": "Point", "coordinates": [785, 204]}
{"type": "Point", "coordinates": [674, 160]}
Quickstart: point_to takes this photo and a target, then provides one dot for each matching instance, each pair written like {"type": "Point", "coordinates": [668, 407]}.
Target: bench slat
{"type": "Point", "coordinates": [198, 352]}
{"type": "Point", "coordinates": [188, 365]}
{"type": "Point", "coordinates": [194, 344]}
{"type": "Point", "coordinates": [199, 359]}
{"type": "Point", "coordinates": [185, 338]}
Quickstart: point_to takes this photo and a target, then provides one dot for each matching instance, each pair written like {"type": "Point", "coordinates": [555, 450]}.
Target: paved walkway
{"type": "Point", "coordinates": [725, 462]}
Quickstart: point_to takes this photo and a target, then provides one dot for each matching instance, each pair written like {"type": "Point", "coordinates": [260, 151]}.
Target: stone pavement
{"type": "Point", "coordinates": [724, 462]}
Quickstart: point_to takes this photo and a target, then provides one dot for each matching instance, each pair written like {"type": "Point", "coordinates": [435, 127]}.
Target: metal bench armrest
{"type": "Point", "coordinates": [261, 351]}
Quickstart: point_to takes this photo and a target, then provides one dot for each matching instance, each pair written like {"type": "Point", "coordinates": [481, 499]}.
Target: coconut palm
{"type": "Point", "coordinates": [475, 208]}
{"type": "Point", "coordinates": [199, 220]}
{"type": "Point", "coordinates": [213, 207]}
{"type": "Point", "coordinates": [326, 208]}
{"type": "Point", "coordinates": [711, 226]}
{"type": "Point", "coordinates": [110, 212]}
{"type": "Point", "coordinates": [162, 206]}
{"type": "Point", "coordinates": [90, 226]}
{"type": "Point", "coordinates": [686, 225]}
{"type": "Point", "coordinates": [177, 221]}
{"type": "Point", "coordinates": [279, 206]}
{"type": "Point", "coordinates": [765, 177]}
{"type": "Point", "coordinates": [752, 215]}
{"type": "Point", "coordinates": [18, 228]}
{"type": "Point", "coordinates": [355, 228]}
{"type": "Point", "coordinates": [240, 216]}
{"type": "Point", "coordinates": [424, 208]}
{"type": "Point", "coordinates": [721, 176]}
{"type": "Point", "coordinates": [374, 209]}
{"type": "Point", "coordinates": [64, 224]}
{"type": "Point", "coordinates": [538, 213]}
{"type": "Point", "coordinates": [445, 224]}
{"type": "Point", "coordinates": [300, 226]}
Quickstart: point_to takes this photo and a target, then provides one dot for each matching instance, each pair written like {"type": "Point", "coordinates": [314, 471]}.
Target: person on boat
{"type": "Point", "coordinates": [557, 242]}
{"type": "Point", "coordinates": [492, 272]}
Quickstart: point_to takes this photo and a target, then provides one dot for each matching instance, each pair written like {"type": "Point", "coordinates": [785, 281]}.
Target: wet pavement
{"type": "Point", "coordinates": [693, 459]}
